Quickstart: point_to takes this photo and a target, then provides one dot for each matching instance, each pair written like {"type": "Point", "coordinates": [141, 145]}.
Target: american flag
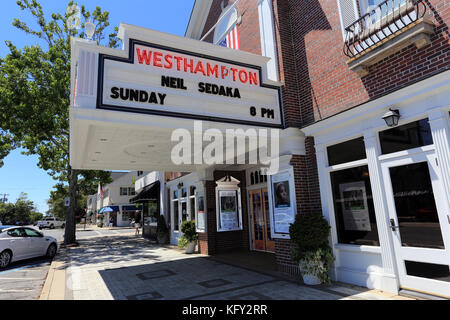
{"type": "Point", "coordinates": [231, 40]}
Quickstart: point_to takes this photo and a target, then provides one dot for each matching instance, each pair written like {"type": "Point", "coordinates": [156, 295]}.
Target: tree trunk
{"type": "Point", "coordinates": [69, 234]}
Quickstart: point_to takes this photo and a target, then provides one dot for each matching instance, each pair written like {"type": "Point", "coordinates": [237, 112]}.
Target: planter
{"type": "Point", "coordinates": [162, 239]}
{"type": "Point", "coordinates": [190, 247]}
{"type": "Point", "coordinates": [309, 278]}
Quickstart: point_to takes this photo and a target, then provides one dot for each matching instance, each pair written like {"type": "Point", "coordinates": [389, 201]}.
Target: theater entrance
{"type": "Point", "coordinates": [260, 221]}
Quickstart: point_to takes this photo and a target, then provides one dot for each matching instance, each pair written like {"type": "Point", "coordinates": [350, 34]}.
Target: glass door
{"type": "Point", "coordinates": [260, 221]}
{"type": "Point", "coordinates": [419, 223]}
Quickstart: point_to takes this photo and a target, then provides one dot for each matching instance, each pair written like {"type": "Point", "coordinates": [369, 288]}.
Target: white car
{"type": "Point", "coordinates": [51, 222]}
{"type": "Point", "coordinates": [19, 243]}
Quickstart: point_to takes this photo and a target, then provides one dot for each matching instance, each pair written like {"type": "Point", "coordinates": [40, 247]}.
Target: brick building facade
{"type": "Point", "coordinates": [334, 98]}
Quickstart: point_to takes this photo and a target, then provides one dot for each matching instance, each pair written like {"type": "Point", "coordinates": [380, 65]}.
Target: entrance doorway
{"type": "Point", "coordinates": [260, 221]}
{"type": "Point", "coordinates": [418, 221]}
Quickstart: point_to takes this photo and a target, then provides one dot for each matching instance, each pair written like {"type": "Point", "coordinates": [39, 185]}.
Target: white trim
{"type": "Point", "coordinates": [199, 14]}
{"type": "Point", "coordinates": [267, 36]}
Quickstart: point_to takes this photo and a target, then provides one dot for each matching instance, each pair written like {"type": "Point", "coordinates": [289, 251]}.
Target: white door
{"type": "Point", "coordinates": [419, 222]}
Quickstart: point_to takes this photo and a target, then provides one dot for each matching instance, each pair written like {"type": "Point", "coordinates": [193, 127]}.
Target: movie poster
{"type": "Point", "coordinates": [354, 206]}
{"type": "Point", "coordinates": [229, 216]}
{"type": "Point", "coordinates": [283, 211]}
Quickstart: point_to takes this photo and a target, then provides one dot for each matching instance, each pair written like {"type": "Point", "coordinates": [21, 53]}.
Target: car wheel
{"type": "Point", "coordinates": [63, 226]}
{"type": "Point", "coordinates": [52, 226]}
{"type": "Point", "coordinates": [5, 258]}
{"type": "Point", "coordinates": [40, 228]}
{"type": "Point", "coordinates": [51, 251]}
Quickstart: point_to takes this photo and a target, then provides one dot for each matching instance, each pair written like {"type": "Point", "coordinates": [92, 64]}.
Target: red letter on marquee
{"type": "Point", "coordinates": [144, 56]}
{"type": "Point", "coordinates": [253, 78]}
{"type": "Point", "coordinates": [168, 59]}
{"type": "Point", "coordinates": [210, 71]}
{"type": "Point", "coordinates": [200, 68]}
{"type": "Point", "coordinates": [224, 72]}
{"type": "Point", "coordinates": [157, 59]}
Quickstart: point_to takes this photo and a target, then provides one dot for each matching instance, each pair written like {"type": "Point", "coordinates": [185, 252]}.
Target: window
{"type": "Point", "coordinates": [131, 191]}
{"type": "Point", "coordinates": [140, 173]}
{"type": "Point", "coordinates": [32, 233]}
{"type": "Point", "coordinates": [175, 216]}
{"type": "Point", "coordinates": [412, 135]}
{"type": "Point", "coordinates": [353, 206]}
{"type": "Point", "coordinates": [16, 233]}
{"type": "Point", "coordinates": [346, 151]}
{"type": "Point", "coordinates": [123, 191]}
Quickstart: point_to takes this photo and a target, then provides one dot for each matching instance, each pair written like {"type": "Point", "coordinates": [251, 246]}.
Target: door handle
{"type": "Point", "coordinates": [393, 226]}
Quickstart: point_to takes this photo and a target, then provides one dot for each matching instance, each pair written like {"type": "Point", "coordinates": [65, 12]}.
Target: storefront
{"type": "Point", "coordinates": [149, 201]}
{"type": "Point", "coordinates": [386, 190]}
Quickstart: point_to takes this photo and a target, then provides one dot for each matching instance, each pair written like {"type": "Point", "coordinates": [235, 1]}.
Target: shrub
{"type": "Point", "coordinates": [309, 232]}
{"type": "Point", "coordinates": [182, 242]}
{"type": "Point", "coordinates": [161, 227]}
{"type": "Point", "coordinates": [189, 232]}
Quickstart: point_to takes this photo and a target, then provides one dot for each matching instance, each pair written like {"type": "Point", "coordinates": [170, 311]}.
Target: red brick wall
{"type": "Point", "coordinates": [327, 86]}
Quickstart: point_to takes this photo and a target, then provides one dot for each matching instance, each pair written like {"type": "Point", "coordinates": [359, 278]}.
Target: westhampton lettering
{"type": "Point", "coordinates": [196, 66]}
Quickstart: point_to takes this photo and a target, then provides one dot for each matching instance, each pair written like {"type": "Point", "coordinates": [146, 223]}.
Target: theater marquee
{"type": "Point", "coordinates": [167, 81]}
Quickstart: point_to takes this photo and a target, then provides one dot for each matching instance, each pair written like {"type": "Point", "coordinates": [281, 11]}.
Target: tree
{"type": "Point", "coordinates": [22, 210]}
{"type": "Point", "coordinates": [35, 96]}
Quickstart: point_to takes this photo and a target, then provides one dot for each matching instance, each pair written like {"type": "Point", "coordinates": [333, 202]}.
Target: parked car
{"type": "Point", "coordinates": [19, 243]}
{"type": "Point", "coordinates": [50, 222]}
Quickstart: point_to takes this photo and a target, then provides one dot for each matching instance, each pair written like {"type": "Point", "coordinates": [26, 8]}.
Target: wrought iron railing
{"type": "Point", "coordinates": [380, 23]}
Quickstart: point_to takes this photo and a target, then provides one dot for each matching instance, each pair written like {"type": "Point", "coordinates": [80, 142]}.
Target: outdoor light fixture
{"type": "Point", "coordinates": [180, 185]}
{"type": "Point", "coordinates": [89, 28]}
{"type": "Point", "coordinates": [391, 117]}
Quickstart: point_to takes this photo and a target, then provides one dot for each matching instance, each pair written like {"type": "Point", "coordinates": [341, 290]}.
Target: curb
{"type": "Point", "coordinates": [55, 283]}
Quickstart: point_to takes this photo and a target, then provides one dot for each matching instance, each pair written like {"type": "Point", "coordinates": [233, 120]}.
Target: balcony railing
{"type": "Point", "coordinates": [381, 23]}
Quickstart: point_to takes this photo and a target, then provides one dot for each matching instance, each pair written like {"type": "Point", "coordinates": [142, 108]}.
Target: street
{"type": "Point", "coordinates": [23, 280]}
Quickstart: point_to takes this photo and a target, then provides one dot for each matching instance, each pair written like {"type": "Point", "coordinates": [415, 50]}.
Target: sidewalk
{"type": "Point", "coordinates": [133, 268]}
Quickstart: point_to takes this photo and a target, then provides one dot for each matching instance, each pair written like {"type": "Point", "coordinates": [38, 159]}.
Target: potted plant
{"type": "Point", "coordinates": [189, 238]}
{"type": "Point", "coordinates": [100, 221]}
{"type": "Point", "coordinates": [309, 234]}
{"type": "Point", "coordinates": [161, 230]}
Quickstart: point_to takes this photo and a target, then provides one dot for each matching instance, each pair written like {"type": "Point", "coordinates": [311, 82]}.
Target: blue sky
{"type": "Point", "coordinates": [20, 173]}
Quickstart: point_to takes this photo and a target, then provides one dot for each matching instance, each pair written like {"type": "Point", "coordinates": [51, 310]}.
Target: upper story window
{"type": "Point", "coordinates": [140, 173]}
{"type": "Point", "coordinates": [226, 33]}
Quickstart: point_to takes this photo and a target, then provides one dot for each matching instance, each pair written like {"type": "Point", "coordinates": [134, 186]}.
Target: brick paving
{"type": "Point", "coordinates": [132, 268]}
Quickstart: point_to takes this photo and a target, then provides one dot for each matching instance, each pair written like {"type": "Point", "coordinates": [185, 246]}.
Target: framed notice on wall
{"type": "Point", "coordinates": [283, 202]}
{"type": "Point", "coordinates": [228, 211]}
{"type": "Point", "coordinates": [354, 206]}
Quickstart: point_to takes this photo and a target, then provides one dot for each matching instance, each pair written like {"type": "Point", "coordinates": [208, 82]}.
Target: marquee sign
{"type": "Point", "coordinates": [172, 82]}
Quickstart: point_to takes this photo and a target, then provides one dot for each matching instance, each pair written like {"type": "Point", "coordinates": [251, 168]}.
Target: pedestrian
{"type": "Point", "coordinates": [111, 222]}
{"type": "Point", "coordinates": [137, 225]}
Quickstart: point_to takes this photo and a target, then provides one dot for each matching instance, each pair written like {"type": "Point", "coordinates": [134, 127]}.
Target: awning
{"type": "Point", "coordinates": [131, 208]}
{"type": "Point", "coordinates": [109, 209]}
{"type": "Point", "coordinates": [148, 193]}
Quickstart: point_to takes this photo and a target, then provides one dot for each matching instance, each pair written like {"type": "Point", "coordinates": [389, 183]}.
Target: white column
{"type": "Point", "coordinates": [439, 123]}
{"type": "Point", "coordinates": [390, 280]}
{"type": "Point", "coordinates": [326, 200]}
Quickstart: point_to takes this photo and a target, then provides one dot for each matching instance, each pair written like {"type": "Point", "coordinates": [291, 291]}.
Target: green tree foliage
{"type": "Point", "coordinates": [23, 210]}
{"type": "Point", "coordinates": [35, 96]}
